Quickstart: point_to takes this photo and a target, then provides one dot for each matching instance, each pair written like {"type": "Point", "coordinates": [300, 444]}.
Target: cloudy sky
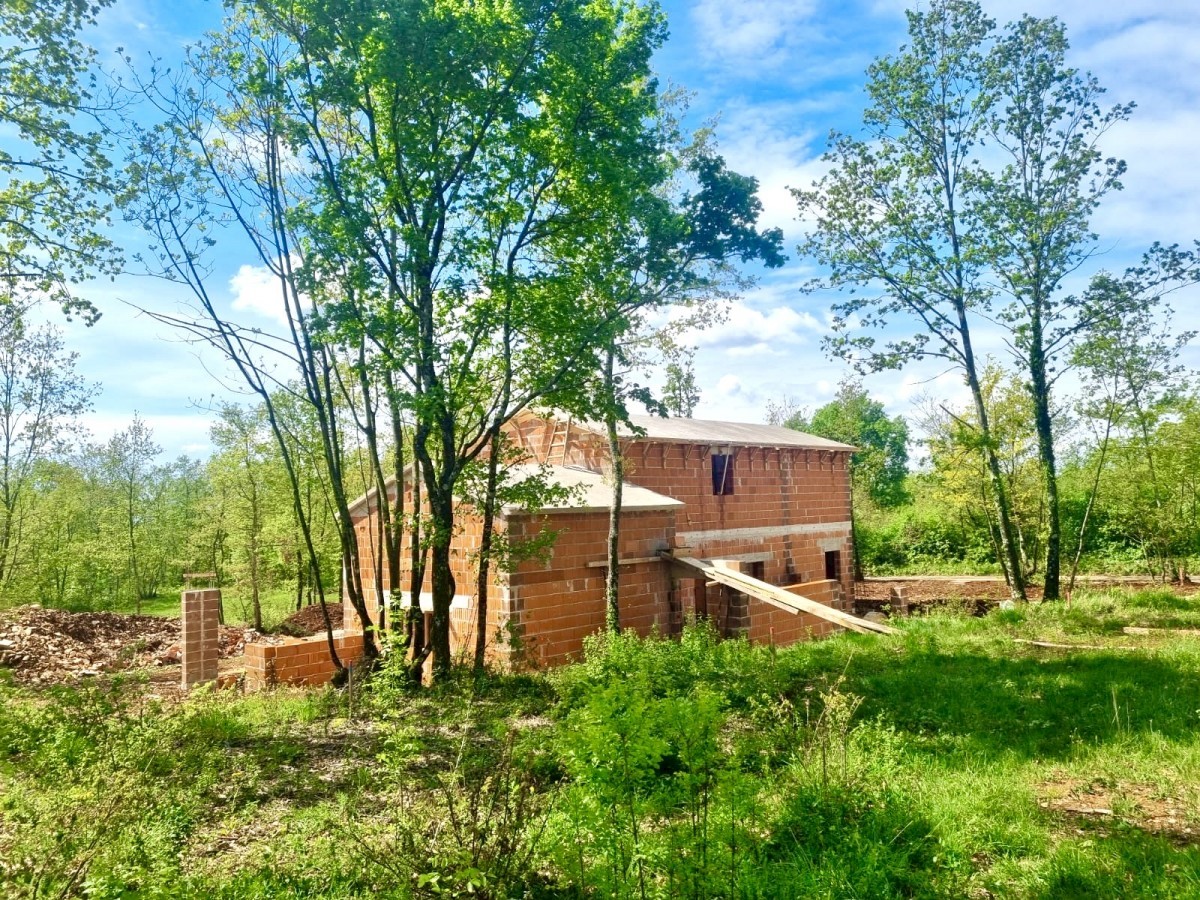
{"type": "Point", "coordinates": [779, 75]}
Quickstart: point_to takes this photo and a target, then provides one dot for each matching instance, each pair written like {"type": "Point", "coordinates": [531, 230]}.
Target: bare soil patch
{"type": "Point", "coordinates": [1101, 802]}
{"type": "Point", "coordinates": [52, 646]}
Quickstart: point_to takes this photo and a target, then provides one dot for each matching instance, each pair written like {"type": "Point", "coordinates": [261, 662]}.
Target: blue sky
{"type": "Point", "coordinates": [779, 75]}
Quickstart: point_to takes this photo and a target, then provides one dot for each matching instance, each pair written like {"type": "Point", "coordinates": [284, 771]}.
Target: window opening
{"type": "Point", "coordinates": [722, 474]}
{"type": "Point", "coordinates": [833, 565]}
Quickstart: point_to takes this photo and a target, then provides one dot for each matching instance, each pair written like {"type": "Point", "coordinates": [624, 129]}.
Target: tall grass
{"type": "Point", "coordinates": [947, 761]}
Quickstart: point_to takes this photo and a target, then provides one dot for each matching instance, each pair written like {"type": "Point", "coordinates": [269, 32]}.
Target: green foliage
{"type": "Point", "coordinates": [680, 393]}
{"type": "Point", "coordinates": [42, 398]}
{"type": "Point", "coordinates": [880, 463]}
{"type": "Point", "coordinates": [940, 763]}
{"type": "Point", "coordinates": [57, 182]}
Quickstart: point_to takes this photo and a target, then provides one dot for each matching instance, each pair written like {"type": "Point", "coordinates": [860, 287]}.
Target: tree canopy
{"type": "Point", "coordinates": [879, 465]}
{"type": "Point", "coordinates": [56, 182]}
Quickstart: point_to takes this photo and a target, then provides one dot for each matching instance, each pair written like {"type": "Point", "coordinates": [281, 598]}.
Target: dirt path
{"type": "Point", "coordinates": [874, 593]}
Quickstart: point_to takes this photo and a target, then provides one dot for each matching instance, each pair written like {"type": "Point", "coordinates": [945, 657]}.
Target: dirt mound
{"type": "Point", "coordinates": [46, 646]}
{"type": "Point", "coordinates": [309, 620]}
{"type": "Point", "coordinates": [877, 591]}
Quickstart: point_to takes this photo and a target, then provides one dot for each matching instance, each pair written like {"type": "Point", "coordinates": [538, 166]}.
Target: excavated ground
{"type": "Point", "coordinates": [873, 594]}
{"type": "Point", "coordinates": [52, 646]}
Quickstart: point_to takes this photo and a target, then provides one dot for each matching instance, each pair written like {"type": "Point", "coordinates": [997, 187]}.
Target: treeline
{"type": "Point", "coordinates": [113, 526]}
{"type": "Point", "coordinates": [90, 525]}
{"type": "Point", "coordinates": [960, 217]}
{"type": "Point", "coordinates": [1129, 487]}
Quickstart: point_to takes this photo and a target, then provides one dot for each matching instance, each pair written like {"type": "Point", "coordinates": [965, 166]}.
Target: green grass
{"type": "Point", "coordinates": [277, 605]}
{"type": "Point", "coordinates": [947, 761]}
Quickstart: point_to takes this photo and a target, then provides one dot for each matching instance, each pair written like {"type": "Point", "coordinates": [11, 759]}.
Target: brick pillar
{"type": "Point", "coordinates": [737, 616]}
{"type": "Point", "coordinates": [200, 636]}
{"type": "Point", "coordinates": [837, 597]}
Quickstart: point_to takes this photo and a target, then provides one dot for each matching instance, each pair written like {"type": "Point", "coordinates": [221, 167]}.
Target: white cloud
{"type": "Point", "coordinates": [256, 290]}
{"type": "Point", "coordinates": [759, 32]}
{"type": "Point", "coordinates": [746, 328]}
{"type": "Point", "coordinates": [755, 350]}
{"type": "Point", "coordinates": [730, 386]}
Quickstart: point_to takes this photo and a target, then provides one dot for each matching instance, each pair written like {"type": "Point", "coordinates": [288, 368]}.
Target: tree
{"type": "Point", "coordinates": [959, 466]}
{"type": "Point", "coordinates": [680, 394]}
{"type": "Point", "coordinates": [128, 463]}
{"type": "Point", "coordinates": [57, 182]}
{"type": "Point", "coordinates": [1034, 211]}
{"type": "Point", "coordinates": [676, 250]}
{"type": "Point", "coordinates": [880, 462]}
{"type": "Point", "coordinates": [1128, 360]}
{"type": "Point", "coordinates": [895, 215]}
{"type": "Point", "coordinates": [442, 254]}
{"type": "Point", "coordinates": [241, 468]}
{"type": "Point", "coordinates": [40, 398]}
{"type": "Point", "coordinates": [974, 200]}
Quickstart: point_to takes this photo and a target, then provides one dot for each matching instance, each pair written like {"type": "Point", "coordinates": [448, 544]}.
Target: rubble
{"type": "Point", "coordinates": [52, 646]}
{"type": "Point", "coordinates": [309, 621]}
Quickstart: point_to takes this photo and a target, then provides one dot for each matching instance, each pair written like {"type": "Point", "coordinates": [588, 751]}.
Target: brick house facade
{"type": "Point", "coordinates": [772, 502]}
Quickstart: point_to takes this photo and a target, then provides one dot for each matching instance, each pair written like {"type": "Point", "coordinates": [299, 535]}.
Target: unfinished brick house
{"type": "Point", "coordinates": [720, 519]}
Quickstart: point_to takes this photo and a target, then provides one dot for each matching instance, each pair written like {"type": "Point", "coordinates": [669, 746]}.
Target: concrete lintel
{"type": "Point", "coordinates": [695, 538]}
{"type": "Point", "coordinates": [628, 561]}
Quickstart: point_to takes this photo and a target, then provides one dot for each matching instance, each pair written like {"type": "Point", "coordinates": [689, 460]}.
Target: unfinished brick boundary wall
{"type": "Point", "coordinates": [200, 636]}
{"type": "Point", "coordinates": [771, 502]}
{"type": "Point", "coordinates": [298, 661]}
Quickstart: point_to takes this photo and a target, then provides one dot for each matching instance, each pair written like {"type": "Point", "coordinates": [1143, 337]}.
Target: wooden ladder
{"type": "Point", "coordinates": [563, 445]}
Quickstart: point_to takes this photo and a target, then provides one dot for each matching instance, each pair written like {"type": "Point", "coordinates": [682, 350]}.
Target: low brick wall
{"type": "Point", "coordinates": [769, 624]}
{"type": "Point", "coordinates": [298, 661]}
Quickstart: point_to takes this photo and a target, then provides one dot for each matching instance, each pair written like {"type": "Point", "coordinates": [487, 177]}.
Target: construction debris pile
{"type": "Point", "coordinates": [51, 646]}
{"type": "Point", "coordinates": [309, 620]}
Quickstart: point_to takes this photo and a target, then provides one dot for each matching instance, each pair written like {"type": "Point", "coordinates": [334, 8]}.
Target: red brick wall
{"type": "Point", "coordinates": [560, 602]}
{"type": "Point", "coordinates": [299, 661]}
{"type": "Point", "coordinates": [463, 562]}
{"type": "Point", "coordinates": [772, 487]}
{"type": "Point", "coordinates": [770, 624]}
{"type": "Point", "coordinates": [553, 605]}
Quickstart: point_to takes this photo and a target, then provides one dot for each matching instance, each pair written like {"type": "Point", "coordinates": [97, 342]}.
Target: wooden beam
{"type": "Point", "coordinates": [778, 597]}
{"type": "Point", "coordinates": [631, 561]}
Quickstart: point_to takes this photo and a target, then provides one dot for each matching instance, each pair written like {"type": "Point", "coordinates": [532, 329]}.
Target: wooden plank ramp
{"type": "Point", "coordinates": [779, 598]}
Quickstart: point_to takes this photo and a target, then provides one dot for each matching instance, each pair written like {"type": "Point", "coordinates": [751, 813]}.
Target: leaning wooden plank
{"type": "Point", "coordinates": [793, 603]}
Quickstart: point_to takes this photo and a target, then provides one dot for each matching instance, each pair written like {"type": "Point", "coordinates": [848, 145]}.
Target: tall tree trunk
{"type": "Point", "coordinates": [485, 550]}
{"type": "Point", "coordinates": [302, 564]}
{"type": "Point", "coordinates": [1008, 542]}
{"type": "Point", "coordinates": [443, 595]}
{"type": "Point", "coordinates": [1045, 437]}
{"type": "Point", "coordinates": [255, 530]}
{"type": "Point", "coordinates": [418, 640]}
{"type": "Point", "coordinates": [612, 581]}
{"type": "Point", "coordinates": [439, 490]}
